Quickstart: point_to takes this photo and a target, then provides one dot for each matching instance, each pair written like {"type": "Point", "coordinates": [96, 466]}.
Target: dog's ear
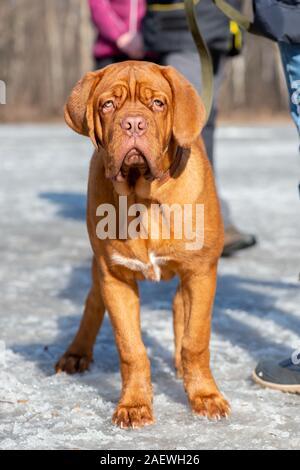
{"type": "Point", "coordinates": [189, 111]}
{"type": "Point", "coordinates": [79, 112]}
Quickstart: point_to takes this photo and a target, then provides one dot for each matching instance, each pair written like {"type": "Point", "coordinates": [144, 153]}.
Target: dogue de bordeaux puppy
{"type": "Point", "coordinates": [145, 122]}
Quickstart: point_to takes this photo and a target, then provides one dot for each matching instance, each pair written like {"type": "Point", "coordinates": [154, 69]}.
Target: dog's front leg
{"type": "Point", "coordinates": [122, 302]}
{"type": "Point", "coordinates": [198, 293]}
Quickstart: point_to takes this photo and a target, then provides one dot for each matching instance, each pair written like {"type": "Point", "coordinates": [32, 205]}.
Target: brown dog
{"type": "Point", "coordinates": [145, 122]}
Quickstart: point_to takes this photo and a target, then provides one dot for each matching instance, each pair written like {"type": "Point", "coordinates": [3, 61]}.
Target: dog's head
{"type": "Point", "coordinates": [135, 110]}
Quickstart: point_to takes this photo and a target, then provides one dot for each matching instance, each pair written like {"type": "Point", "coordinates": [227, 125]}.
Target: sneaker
{"type": "Point", "coordinates": [283, 376]}
{"type": "Point", "coordinates": [236, 240]}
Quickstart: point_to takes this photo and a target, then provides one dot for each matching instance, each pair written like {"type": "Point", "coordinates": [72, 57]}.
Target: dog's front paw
{"type": "Point", "coordinates": [133, 416]}
{"type": "Point", "coordinates": [213, 407]}
{"type": "Point", "coordinates": [73, 363]}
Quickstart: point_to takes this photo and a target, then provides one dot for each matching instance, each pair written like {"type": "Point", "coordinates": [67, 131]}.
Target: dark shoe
{"type": "Point", "coordinates": [236, 240]}
{"type": "Point", "coordinates": [283, 376]}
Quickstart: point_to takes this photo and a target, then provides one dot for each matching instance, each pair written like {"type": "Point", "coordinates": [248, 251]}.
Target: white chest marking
{"type": "Point", "coordinates": [150, 270]}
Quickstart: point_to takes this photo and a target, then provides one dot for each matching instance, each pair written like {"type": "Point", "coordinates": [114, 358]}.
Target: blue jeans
{"type": "Point", "coordinates": [290, 54]}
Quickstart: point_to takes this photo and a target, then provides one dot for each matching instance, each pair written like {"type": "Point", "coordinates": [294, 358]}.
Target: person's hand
{"type": "Point", "coordinates": [131, 44]}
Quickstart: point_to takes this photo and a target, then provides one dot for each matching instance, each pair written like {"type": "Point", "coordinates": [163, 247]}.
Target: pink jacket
{"type": "Point", "coordinates": [113, 18]}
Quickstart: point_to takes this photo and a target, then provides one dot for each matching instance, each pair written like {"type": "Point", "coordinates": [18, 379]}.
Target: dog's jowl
{"type": "Point", "coordinates": [145, 122]}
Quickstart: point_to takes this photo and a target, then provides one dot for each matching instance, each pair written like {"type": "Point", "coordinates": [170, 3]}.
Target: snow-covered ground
{"type": "Point", "coordinates": [44, 275]}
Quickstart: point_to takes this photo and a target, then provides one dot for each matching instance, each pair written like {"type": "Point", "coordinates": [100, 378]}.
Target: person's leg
{"type": "Point", "coordinates": [208, 132]}
{"type": "Point", "coordinates": [290, 54]}
{"type": "Point", "coordinates": [285, 375]}
{"type": "Point", "coordinates": [188, 64]}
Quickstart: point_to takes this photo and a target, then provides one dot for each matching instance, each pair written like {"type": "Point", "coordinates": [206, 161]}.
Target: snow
{"type": "Point", "coordinates": [44, 276]}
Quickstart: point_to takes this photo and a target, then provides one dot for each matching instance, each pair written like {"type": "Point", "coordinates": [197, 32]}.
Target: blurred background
{"type": "Point", "coordinates": [46, 46]}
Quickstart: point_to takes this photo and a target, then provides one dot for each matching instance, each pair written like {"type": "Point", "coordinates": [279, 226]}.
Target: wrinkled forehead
{"type": "Point", "coordinates": [136, 78]}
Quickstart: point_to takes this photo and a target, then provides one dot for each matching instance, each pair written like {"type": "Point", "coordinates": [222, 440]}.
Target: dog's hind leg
{"type": "Point", "coordinates": [79, 355]}
{"type": "Point", "coordinates": [178, 324]}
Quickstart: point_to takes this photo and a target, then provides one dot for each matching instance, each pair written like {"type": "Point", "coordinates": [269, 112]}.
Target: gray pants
{"type": "Point", "coordinates": [188, 64]}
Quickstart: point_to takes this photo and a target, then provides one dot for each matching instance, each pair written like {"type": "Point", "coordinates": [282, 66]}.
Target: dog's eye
{"type": "Point", "coordinates": [108, 105]}
{"type": "Point", "coordinates": [158, 103]}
